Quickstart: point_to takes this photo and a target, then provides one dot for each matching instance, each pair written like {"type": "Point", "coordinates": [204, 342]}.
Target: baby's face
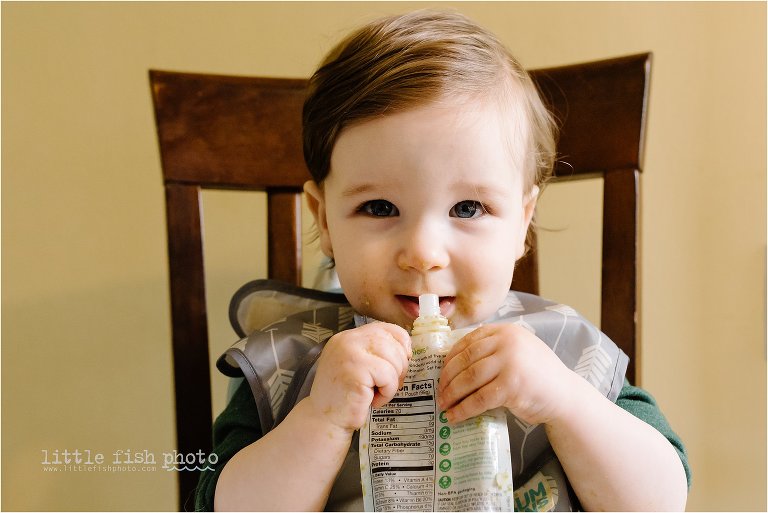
{"type": "Point", "coordinates": [427, 200]}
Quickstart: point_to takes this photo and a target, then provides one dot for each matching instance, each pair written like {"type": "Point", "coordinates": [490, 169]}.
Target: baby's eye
{"type": "Point", "coordinates": [378, 208]}
{"type": "Point", "coordinates": [468, 209]}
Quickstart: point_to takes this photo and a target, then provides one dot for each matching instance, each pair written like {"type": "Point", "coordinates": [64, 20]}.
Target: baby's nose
{"type": "Point", "coordinates": [422, 253]}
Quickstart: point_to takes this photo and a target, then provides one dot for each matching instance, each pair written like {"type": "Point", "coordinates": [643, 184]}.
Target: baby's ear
{"type": "Point", "coordinates": [316, 203]}
{"type": "Point", "coordinates": [529, 208]}
{"type": "Point", "coordinates": [529, 205]}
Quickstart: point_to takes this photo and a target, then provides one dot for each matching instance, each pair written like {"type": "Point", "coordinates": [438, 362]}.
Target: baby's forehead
{"type": "Point", "coordinates": [465, 136]}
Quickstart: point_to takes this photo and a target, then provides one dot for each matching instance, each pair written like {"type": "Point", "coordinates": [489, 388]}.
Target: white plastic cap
{"type": "Point", "coordinates": [429, 305]}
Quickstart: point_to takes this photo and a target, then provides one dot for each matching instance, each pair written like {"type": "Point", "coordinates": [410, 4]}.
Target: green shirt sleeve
{"type": "Point", "coordinates": [642, 405]}
{"type": "Point", "coordinates": [236, 428]}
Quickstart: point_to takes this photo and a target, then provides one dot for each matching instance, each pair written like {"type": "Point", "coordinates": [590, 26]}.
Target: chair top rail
{"type": "Point", "coordinates": [602, 122]}
{"type": "Point", "coordinates": [220, 131]}
{"type": "Point", "coordinates": [210, 134]}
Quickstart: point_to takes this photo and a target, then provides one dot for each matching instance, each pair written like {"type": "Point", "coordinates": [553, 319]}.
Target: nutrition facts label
{"type": "Point", "coordinates": [413, 459]}
{"type": "Point", "coordinates": [402, 449]}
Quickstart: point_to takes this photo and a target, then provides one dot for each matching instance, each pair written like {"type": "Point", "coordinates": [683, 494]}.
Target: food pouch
{"type": "Point", "coordinates": [412, 459]}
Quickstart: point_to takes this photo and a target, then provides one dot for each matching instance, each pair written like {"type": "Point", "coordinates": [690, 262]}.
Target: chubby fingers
{"type": "Point", "coordinates": [468, 382]}
{"type": "Point", "coordinates": [359, 368]}
{"type": "Point", "coordinates": [390, 347]}
{"type": "Point", "coordinates": [400, 335]}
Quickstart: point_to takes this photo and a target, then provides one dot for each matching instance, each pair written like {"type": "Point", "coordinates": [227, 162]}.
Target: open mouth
{"type": "Point", "coordinates": [411, 304]}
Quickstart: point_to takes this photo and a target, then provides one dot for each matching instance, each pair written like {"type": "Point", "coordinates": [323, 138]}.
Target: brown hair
{"type": "Point", "coordinates": [401, 62]}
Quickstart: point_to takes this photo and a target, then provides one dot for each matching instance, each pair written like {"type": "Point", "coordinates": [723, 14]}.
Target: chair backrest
{"type": "Point", "coordinates": [224, 132]}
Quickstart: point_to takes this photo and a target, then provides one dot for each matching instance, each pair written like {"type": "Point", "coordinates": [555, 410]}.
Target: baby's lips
{"type": "Point", "coordinates": [411, 303]}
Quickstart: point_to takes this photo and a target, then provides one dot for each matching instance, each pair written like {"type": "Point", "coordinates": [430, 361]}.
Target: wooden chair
{"type": "Point", "coordinates": [225, 132]}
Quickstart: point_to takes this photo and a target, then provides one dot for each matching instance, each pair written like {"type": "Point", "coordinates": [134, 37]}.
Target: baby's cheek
{"type": "Point", "coordinates": [466, 305]}
{"type": "Point", "coordinates": [355, 287]}
{"type": "Point", "coordinates": [471, 309]}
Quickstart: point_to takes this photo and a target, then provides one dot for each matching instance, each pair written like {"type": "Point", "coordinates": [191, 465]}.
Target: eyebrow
{"type": "Point", "coordinates": [479, 189]}
{"type": "Point", "coordinates": [358, 189]}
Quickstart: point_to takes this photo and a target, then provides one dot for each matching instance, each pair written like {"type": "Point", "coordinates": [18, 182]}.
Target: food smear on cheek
{"type": "Point", "coordinates": [466, 307]}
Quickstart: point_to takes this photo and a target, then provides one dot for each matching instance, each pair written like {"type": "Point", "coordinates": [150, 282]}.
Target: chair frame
{"type": "Point", "coordinates": [244, 133]}
{"type": "Point", "coordinates": [602, 108]}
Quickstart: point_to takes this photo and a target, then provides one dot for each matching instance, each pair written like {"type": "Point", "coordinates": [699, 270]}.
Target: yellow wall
{"type": "Point", "coordinates": [85, 333]}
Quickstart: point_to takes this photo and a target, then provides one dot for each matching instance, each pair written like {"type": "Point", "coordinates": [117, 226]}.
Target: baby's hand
{"type": "Point", "coordinates": [503, 365]}
{"type": "Point", "coordinates": [357, 369]}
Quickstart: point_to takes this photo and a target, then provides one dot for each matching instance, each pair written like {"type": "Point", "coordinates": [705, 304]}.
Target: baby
{"type": "Point", "coordinates": [428, 144]}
